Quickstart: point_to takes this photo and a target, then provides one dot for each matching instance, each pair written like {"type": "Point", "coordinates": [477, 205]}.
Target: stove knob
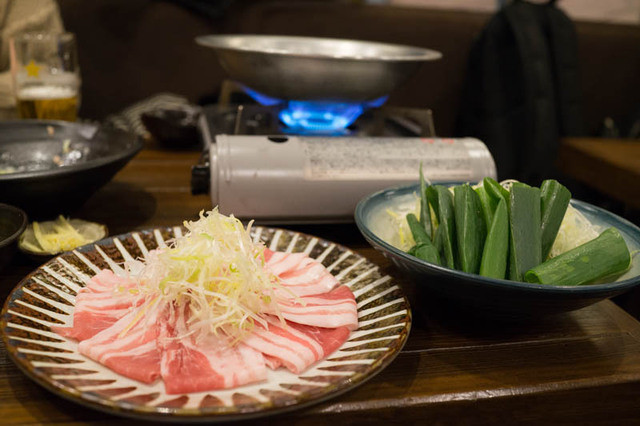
{"type": "Point", "coordinates": [200, 175]}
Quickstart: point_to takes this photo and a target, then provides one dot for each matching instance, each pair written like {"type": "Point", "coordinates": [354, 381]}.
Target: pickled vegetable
{"type": "Point", "coordinates": [57, 236]}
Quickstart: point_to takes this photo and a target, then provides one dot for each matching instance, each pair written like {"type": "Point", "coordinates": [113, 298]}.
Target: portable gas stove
{"type": "Point", "coordinates": [256, 166]}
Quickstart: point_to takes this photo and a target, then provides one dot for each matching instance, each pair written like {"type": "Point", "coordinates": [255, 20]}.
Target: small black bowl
{"type": "Point", "coordinates": [175, 128]}
{"type": "Point", "coordinates": [53, 167]}
{"type": "Point", "coordinates": [13, 222]}
{"type": "Point", "coordinates": [496, 297]}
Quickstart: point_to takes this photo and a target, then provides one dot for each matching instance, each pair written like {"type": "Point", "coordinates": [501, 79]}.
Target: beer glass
{"type": "Point", "coordinates": [46, 76]}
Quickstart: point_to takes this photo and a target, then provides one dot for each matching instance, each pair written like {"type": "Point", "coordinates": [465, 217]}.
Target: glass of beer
{"type": "Point", "coordinates": [46, 75]}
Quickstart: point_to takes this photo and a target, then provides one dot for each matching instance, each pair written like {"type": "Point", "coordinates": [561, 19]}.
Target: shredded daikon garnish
{"type": "Point", "coordinates": [218, 272]}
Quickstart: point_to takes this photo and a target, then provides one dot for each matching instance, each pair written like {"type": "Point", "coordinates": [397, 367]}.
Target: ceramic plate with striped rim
{"type": "Point", "coordinates": [46, 297]}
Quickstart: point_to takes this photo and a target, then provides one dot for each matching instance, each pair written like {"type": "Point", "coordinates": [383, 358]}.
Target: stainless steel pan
{"type": "Point", "coordinates": [309, 68]}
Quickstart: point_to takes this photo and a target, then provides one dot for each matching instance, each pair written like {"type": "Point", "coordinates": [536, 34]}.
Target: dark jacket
{"type": "Point", "coordinates": [522, 89]}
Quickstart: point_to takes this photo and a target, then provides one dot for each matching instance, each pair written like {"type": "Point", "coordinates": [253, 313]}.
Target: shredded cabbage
{"type": "Point", "coordinates": [575, 230]}
{"type": "Point", "coordinates": [402, 238]}
{"type": "Point", "coordinates": [218, 269]}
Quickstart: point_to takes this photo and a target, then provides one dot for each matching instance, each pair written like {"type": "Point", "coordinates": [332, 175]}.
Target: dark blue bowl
{"type": "Point", "coordinates": [488, 294]}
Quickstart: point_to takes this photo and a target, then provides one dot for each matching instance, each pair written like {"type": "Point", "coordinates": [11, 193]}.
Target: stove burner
{"type": "Point", "coordinates": [323, 116]}
{"type": "Point", "coordinates": [316, 116]}
{"type": "Point", "coordinates": [238, 113]}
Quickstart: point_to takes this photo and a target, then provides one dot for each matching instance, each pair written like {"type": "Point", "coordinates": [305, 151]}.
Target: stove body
{"type": "Point", "coordinates": [255, 167]}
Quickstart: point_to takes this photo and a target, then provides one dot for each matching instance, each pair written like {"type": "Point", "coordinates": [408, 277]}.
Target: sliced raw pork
{"type": "Point", "coordinates": [210, 363]}
{"type": "Point", "coordinates": [295, 346]}
{"type": "Point", "coordinates": [337, 308]}
{"type": "Point", "coordinates": [299, 274]}
{"type": "Point", "coordinates": [329, 338]}
{"type": "Point", "coordinates": [104, 300]}
{"type": "Point", "coordinates": [129, 346]}
{"type": "Point", "coordinates": [146, 339]}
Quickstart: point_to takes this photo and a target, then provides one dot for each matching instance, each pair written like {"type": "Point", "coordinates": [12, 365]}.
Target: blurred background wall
{"type": "Point", "coordinates": [613, 11]}
{"type": "Point", "coordinates": [132, 49]}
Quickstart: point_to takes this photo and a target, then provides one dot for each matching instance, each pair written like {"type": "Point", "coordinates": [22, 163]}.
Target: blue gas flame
{"type": "Point", "coordinates": [320, 116]}
{"type": "Point", "coordinates": [260, 98]}
{"type": "Point", "coordinates": [316, 116]}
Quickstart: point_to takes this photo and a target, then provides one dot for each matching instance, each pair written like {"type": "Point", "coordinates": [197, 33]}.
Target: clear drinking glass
{"type": "Point", "coordinates": [46, 75]}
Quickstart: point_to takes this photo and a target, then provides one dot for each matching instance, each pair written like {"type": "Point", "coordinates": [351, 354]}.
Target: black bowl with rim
{"type": "Point", "coordinates": [13, 222]}
{"type": "Point", "coordinates": [53, 167]}
{"type": "Point", "coordinates": [487, 295]}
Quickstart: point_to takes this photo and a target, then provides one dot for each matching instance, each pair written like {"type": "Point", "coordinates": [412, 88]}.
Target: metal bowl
{"type": "Point", "coordinates": [53, 167]}
{"type": "Point", "coordinates": [316, 69]}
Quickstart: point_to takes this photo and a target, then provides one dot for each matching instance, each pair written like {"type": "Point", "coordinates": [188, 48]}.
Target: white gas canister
{"type": "Point", "coordinates": [321, 179]}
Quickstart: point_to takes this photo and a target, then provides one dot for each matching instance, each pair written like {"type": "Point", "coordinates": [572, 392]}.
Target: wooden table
{"type": "Point", "coordinates": [579, 368]}
{"type": "Point", "coordinates": [612, 166]}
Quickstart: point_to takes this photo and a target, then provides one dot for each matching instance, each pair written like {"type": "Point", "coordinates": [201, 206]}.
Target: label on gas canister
{"type": "Point", "coordinates": [385, 158]}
